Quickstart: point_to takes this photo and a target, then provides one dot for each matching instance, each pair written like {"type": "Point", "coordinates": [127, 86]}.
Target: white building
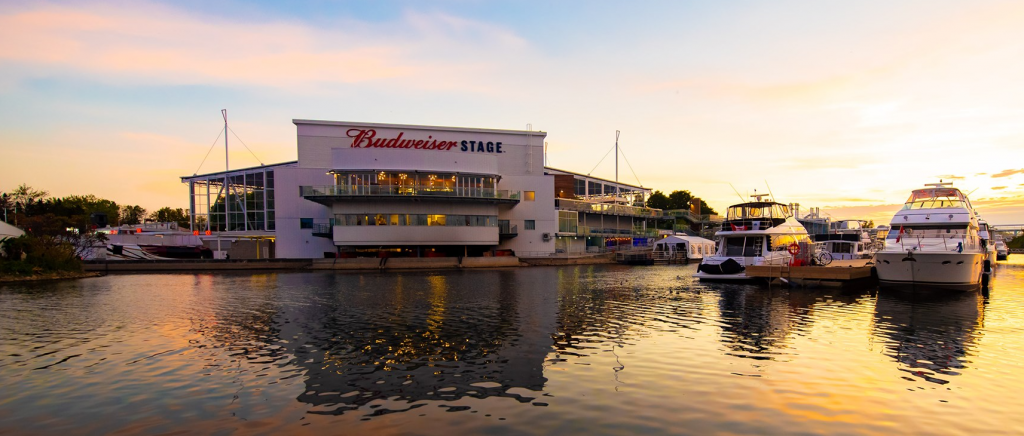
{"type": "Point", "coordinates": [364, 188]}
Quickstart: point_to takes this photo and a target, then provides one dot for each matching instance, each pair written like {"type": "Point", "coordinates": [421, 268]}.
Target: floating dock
{"type": "Point", "coordinates": [838, 271]}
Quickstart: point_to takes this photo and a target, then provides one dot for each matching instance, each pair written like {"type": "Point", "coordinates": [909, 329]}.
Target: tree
{"type": "Point", "coordinates": [25, 194]}
{"type": "Point", "coordinates": [657, 200]}
{"type": "Point", "coordinates": [679, 200]}
{"type": "Point", "coordinates": [132, 214]}
{"type": "Point", "coordinates": [168, 215]}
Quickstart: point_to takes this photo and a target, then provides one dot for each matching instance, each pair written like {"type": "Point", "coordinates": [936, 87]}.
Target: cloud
{"type": "Point", "coordinates": [996, 188]}
{"type": "Point", "coordinates": [152, 43]}
{"type": "Point", "coordinates": [951, 177]}
{"type": "Point", "coordinates": [1007, 173]}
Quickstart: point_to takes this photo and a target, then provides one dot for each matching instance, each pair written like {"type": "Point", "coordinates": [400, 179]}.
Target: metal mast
{"type": "Point", "coordinates": [616, 165]}
{"type": "Point", "coordinates": [227, 189]}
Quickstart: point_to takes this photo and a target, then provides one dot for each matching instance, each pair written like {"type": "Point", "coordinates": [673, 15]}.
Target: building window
{"type": "Point", "coordinates": [305, 223]}
{"type": "Point", "coordinates": [581, 187]}
{"type": "Point", "coordinates": [530, 225]}
{"type": "Point", "coordinates": [529, 195]}
{"type": "Point", "coordinates": [593, 188]}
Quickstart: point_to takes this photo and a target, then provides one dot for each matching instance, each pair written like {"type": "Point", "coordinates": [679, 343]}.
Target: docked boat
{"type": "Point", "coordinates": [1002, 251]}
{"type": "Point", "coordinates": [933, 241]}
{"type": "Point", "coordinates": [681, 248]}
{"type": "Point", "coordinates": [988, 243]}
{"type": "Point", "coordinates": [847, 239]}
{"type": "Point", "coordinates": [148, 241]}
{"type": "Point", "coordinates": [760, 232]}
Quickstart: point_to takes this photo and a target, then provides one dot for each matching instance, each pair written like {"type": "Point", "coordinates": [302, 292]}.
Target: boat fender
{"type": "Point", "coordinates": [988, 266]}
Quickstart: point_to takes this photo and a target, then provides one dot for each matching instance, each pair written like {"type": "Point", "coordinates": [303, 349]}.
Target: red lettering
{"type": "Point", "coordinates": [360, 135]}
{"type": "Point", "coordinates": [419, 144]}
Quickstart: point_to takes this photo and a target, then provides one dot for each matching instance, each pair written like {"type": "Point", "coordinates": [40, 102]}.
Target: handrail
{"type": "Point", "coordinates": [398, 191]}
{"type": "Point", "coordinates": [607, 208]}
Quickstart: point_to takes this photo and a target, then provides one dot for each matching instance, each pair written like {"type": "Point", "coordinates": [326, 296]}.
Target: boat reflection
{"type": "Point", "coordinates": [930, 333]}
{"type": "Point", "coordinates": [757, 323]}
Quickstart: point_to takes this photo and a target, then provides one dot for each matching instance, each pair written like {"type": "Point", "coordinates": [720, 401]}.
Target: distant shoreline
{"type": "Point", "coordinates": [48, 276]}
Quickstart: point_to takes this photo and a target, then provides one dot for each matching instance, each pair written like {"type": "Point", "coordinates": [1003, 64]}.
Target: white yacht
{"type": "Point", "coordinates": [988, 243]}
{"type": "Point", "coordinates": [760, 232]}
{"type": "Point", "coordinates": [933, 241]}
{"type": "Point", "coordinates": [1002, 251]}
{"type": "Point", "coordinates": [848, 239]}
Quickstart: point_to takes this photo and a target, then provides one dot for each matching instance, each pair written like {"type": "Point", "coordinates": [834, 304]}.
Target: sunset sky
{"type": "Point", "coordinates": [846, 106]}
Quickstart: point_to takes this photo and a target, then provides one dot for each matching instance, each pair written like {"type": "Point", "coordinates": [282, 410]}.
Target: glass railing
{"type": "Point", "coordinates": [398, 191]}
{"type": "Point", "coordinates": [607, 208]}
{"type": "Point", "coordinates": [611, 232]}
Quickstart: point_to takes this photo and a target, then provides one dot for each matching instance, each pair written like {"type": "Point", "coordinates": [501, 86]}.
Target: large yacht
{"type": "Point", "coordinates": [933, 241]}
{"type": "Point", "coordinates": [1002, 251]}
{"type": "Point", "coordinates": [760, 232]}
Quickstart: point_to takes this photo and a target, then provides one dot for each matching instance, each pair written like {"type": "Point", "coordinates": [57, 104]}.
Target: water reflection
{"type": "Point", "coordinates": [396, 341]}
{"type": "Point", "coordinates": [930, 333]}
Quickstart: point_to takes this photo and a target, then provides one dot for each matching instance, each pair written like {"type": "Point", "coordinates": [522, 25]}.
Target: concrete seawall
{"type": "Point", "coordinates": [358, 264]}
{"type": "Point", "coordinates": [558, 261]}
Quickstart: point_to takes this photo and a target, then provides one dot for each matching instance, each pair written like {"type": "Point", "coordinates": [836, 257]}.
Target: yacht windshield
{"type": "Point", "coordinates": [758, 211]}
{"type": "Point", "coordinates": [936, 198]}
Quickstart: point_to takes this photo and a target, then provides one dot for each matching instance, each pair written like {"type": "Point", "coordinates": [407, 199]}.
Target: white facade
{"type": "Point", "coordinates": [410, 190]}
{"type": "Point", "coordinates": [336, 158]}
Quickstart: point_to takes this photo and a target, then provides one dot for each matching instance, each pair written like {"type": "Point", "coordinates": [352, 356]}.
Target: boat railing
{"type": "Point", "coordinates": [957, 243]}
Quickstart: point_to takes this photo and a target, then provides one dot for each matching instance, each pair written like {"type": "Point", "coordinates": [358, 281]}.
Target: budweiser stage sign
{"type": "Point", "coordinates": [367, 138]}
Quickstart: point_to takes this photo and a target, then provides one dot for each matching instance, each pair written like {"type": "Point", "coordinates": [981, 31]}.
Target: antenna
{"type": "Point", "coordinates": [769, 189]}
{"type": "Point", "coordinates": [737, 192]}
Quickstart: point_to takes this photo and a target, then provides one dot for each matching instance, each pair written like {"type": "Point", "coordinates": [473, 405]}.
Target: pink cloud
{"type": "Point", "coordinates": [149, 42]}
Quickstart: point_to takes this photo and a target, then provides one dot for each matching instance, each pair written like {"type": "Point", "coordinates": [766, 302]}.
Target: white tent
{"type": "Point", "coordinates": [7, 230]}
{"type": "Point", "coordinates": [692, 247]}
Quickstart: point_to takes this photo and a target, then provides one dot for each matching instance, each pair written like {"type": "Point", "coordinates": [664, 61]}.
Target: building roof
{"type": "Point", "coordinates": [638, 188]}
{"type": "Point", "coordinates": [238, 170]}
{"type": "Point", "coordinates": [414, 127]}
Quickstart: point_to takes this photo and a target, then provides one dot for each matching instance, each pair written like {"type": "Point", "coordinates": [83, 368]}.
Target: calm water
{"type": "Point", "coordinates": [593, 349]}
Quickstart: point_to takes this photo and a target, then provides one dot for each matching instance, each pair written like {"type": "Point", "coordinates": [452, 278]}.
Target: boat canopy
{"type": "Point", "coordinates": [758, 210]}
{"type": "Point", "coordinates": [936, 198]}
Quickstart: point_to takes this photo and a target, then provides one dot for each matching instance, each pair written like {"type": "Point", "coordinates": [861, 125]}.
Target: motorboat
{"type": "Point", "coordinates": [987, 241]}
{"type": "Point", "coordinates": [933, 241]}
{"type": "Point", "coordinates": [148, 241]}
{"type": "Point", "coordinates": [682, 248]}
{"type": "Point", "coordinates": [1002, 251]}
{"type": "Point", "coordinates": [847, 240]}
{"type": "Point", "coordinates": [760, 232]}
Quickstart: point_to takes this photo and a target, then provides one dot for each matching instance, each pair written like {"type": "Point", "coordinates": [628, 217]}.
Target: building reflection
{"type": "Point", "coordinates": [417, 336]}
{"type": "Point", "coordinates": [928, 332]}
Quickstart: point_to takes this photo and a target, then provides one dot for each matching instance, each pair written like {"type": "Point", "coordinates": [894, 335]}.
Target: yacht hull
{"type": "Point", "coordinates": [940, 270]}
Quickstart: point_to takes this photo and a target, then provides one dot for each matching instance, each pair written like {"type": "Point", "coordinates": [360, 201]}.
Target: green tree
{"type": "Point", "coordinates": [168, 215]}
{"type": "Point", "coordinates": [132, 214]}
{"type": "Point", "coordinates": [657, 200]}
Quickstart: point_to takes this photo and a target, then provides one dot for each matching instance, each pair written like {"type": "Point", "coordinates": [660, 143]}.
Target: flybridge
{"type": "Point", "coordinates": [367, 138]}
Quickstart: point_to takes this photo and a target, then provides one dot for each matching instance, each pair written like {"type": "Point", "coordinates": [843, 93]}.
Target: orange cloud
{"type": "Point", "coordinates": [1007, 173]}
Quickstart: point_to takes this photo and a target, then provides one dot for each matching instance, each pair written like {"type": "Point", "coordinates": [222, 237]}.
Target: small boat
{"type": "Point", "coordinates": [681, 248]}
{"type": "Point", "coordinates": [933, 241]}
{"type": "Point", "coordinates": [760, 232]}
{"type": "Point", "coordinates": [1002, 251]}
{"type": "Point", "coordinates": [987, 241]}
{"type": "Point", "coordinates": [149, 241]}
{"type": "Point", "coordinates": [847, 239]}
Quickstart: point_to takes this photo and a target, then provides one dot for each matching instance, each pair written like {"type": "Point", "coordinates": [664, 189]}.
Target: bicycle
{"type": "Point", "coordinates": [823, 258]}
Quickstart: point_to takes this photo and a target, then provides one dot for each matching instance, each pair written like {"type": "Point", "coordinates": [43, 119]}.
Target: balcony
{"type": "Point", "coordinates": [507, 231]}
{"type": "Point", "coordinates": [607, 208]}
{"type": "Point", "coordinates": [331, 193]}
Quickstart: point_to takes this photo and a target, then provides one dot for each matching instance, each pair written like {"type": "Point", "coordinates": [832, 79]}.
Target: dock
{"type": "Point", "coordinates": [838, 271]}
